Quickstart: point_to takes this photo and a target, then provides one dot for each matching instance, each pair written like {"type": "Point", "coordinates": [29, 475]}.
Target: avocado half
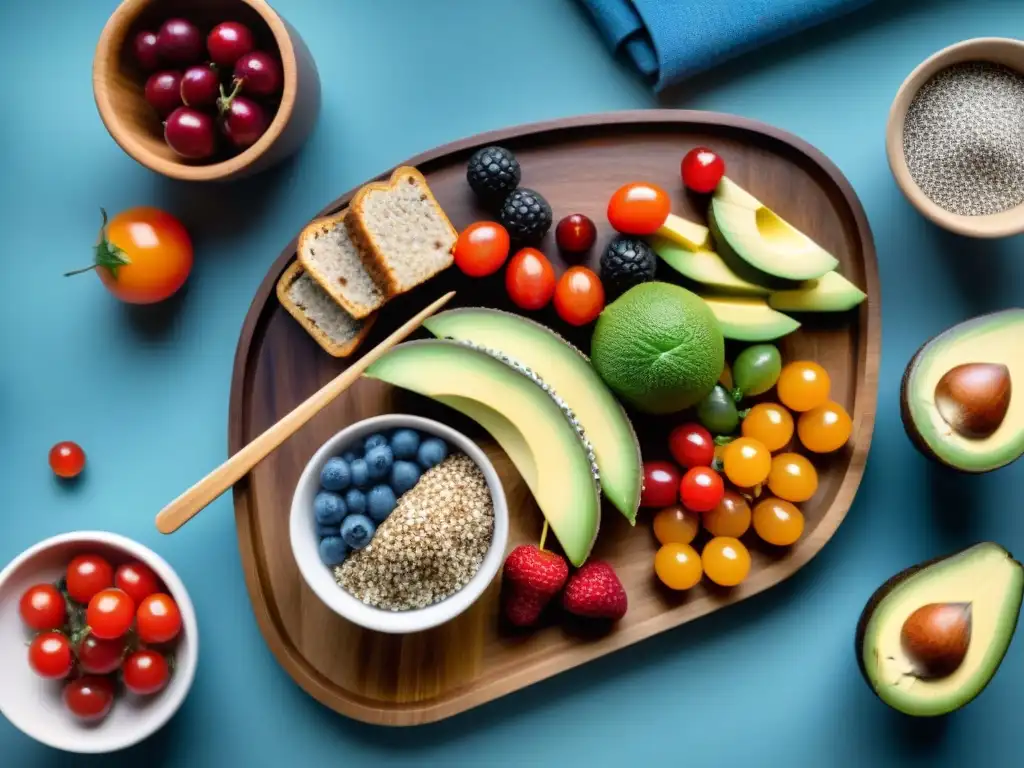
{"type": "Point", "coordinates": [987, 582]}
{"type": "Point", "coordinates": [933, 400]}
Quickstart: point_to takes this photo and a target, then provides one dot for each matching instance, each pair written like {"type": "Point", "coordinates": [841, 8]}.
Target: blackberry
{"type": "Point", "coordinates": [492, 173]}
{"type": "Point", "coordinates": [627, 261]}
{"type": "Point", "coordinates": [526, 215]}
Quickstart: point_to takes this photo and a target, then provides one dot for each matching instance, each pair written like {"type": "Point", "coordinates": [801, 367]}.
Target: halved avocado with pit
{"type": "Point", "coordinates": [962, 397]}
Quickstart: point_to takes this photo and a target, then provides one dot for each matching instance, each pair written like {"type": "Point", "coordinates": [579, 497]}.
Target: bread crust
{"type": "Point", "coordinates": [312, 231]}
{"type": "Point", "coordinates": [289, 276]}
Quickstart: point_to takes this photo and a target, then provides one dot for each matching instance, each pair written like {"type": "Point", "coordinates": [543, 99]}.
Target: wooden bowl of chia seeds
{"type": "Point", "coordinates": [430, 553]}
{"type": "Point", "coordinates": [955, 137]}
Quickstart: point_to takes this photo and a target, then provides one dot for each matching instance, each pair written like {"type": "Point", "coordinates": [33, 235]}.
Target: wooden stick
{"type": "Point", "coordinates": [186, 506]}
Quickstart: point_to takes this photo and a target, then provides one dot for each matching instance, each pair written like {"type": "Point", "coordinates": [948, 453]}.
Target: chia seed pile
{"type": "Point", "coordinates": [430, 546]}
{"type": "Point", "coordinates": [964, 139]}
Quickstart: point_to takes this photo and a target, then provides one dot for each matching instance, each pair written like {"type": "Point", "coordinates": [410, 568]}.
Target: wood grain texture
{"type": "Point", "coordinates": [576, 163]}
{"type": "Point", "coordinates": [118, 86]}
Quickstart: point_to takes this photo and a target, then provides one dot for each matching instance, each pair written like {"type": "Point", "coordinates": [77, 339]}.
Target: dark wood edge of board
{"type": "Point", "coordinates": [865, 401]}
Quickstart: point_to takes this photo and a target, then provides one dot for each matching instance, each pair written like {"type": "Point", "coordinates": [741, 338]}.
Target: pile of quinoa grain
{"type": "Point", "coordinates": [430, 546]}
{"type": "Point", "coordinates": [964, 139]}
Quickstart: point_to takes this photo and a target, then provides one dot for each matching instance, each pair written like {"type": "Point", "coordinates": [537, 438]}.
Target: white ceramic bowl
{"type": "Point", "coordinates": [306, 544]}
{"type": "Point", "coordinates": [33, 704]}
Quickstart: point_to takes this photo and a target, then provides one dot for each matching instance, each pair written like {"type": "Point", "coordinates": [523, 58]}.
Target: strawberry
{"type": "Point", "coordinates": [532, 577]}
{"type": "Point", "coordinates": [595, 591]}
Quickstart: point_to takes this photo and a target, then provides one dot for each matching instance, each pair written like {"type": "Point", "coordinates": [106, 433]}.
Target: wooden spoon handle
{"type": "Point", "coordinates": [186, 506]}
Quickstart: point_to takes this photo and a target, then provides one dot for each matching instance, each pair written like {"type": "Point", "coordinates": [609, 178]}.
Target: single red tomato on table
{"type": "Point", "coordinates": [691, 446]}
{"type": "Point", "coordinates": [89, 698]}
{"type": "Point", "coordinates": [529, 279]}
{"type": "Point", "coordinates": [145, 672]}
{"type": "Point", "coordinates": [661, 484]}
{"type": "Point", "coordinates": [482, 248]}
{"type": "Point", "coordinates": [579, 296]}
{"type": "Point", "coordinates": [87, 575]}
{"type": "Point", "coordinates": [110, 613]}
{"type": "Point", "coordinates": [49, 655]}
{"type": "Point", "coordinates": [67, 459]}
{"type": "Point", "coordinates": [137, 580]}
{"type": "Point", "coordinates": [158, 619]}
{"type": "Point", "coordinates": [702, 169]}
{"type": "Point", "coordinates": [42, 607]}
{"type": "Point", "coordinates": [144, 255]}
{"type": "Point", "coordinates": [701, 489]}
{"type": "Point", "coordinates": [639, 208]}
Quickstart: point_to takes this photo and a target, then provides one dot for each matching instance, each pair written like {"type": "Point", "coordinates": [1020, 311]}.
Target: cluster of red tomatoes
{"type": "Point", "coordinates": [97, 624]}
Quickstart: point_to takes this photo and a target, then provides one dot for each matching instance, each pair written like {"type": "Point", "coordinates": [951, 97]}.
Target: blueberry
{"type": "Point", "coordinates": [404, 475]}
{"type": "Point", "coordinates": [431, 452]}
{"type": "Point", "coordinates": [350, 456]}
{"type": "Point", "coordinates": [374, 441]}
{"type": "Point", "coordinates": [323, 531]}
{"type": "Point", "coordinates": [333, 550]}
{"type": "Point", "coordinates": [335, 476]}
{"type": "Point", "coordinates": [355, 500]}
{"type": "Point", "coordinates": [357, 531]}
{"type": "Point", "coordinates": [360, 473]}
{"type": "Point", "coordinates": [380, 501]}
{"type": "Point", "coordinates": [378, 461]}
{"type": "Point", "coordinates": [404, 443]}
{"type": "Point", "coordinates": [329, 508]}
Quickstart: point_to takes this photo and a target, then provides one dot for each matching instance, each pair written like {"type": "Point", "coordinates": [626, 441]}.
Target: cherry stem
{"type": "Point", "coordinates": [543, 535]}
{"type": "Point", "coordinates": [224, 102]}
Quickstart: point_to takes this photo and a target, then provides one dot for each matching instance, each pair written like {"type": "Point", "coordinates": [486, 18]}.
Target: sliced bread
{"type": "Point", "coordinates": [334, 329]}
{"type": "Point", "coordinates": [331, 258]}
{"type": "Point", "coordinates": [403, 234]}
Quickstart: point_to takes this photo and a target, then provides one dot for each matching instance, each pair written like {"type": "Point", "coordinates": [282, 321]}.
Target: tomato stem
{"type": "Point", "coordinates": [106, 253]}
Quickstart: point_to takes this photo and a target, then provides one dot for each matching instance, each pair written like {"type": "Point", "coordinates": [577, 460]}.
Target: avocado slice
{"type": "Point", "coordinates": [689, 234]}
{"type": "Point", "coordinates": [531, 424]}
{"type": "Point", "coordinates": [829, 293]}
{"type": "Point", "coordinates": [570, 374]}
{"type": "Point", "coordinates": [930, 394]}
{"type": "Point", "coordinates": [704, 266]}
{"type": "Point", "coordinates": [746, 229]}
{"type": "Point", "coordinates": [749, 319]}
{"type": "Point", "coordinates": [987, 583]}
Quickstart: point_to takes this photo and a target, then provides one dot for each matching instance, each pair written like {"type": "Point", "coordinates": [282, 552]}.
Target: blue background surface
{"type": "Point", "coordinates": [771, 682]}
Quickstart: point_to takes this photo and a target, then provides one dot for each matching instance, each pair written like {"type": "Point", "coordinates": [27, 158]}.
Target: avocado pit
{"type": "Point", "coordinates": [936, 637]}
{"type": "Point", "coordinates": [974, 398]}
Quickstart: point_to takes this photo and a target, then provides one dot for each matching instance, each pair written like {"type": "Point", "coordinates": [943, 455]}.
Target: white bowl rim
{"type": "Point", "coordinates": [190, 625]}
{"type": "Point", "coordinates": [319, 577]}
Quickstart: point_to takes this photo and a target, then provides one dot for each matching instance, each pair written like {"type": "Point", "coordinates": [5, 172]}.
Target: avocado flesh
{"type": "Point", "coordinates": [689, 234]}
{"type": "Point", "coordinates": [983, 575]}
{"type": "Point", "coordinates": [994, 338]}
{"type": "Point", "coordinates": [570, 374]}
{"type": "Point", "coordinates": [749, 319]}
{"type": "Point", "coordinates": [746, 228]}
{"type": "Point", "coordinates": [703, 266]}
{"type": "Point", "coordinates": [525, 420]}
{"type": "Point", "coordinates": [830, 293]}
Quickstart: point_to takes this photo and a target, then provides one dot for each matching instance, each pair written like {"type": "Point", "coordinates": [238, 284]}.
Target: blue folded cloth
{"type": "Point", "coordinates": [669, 40]}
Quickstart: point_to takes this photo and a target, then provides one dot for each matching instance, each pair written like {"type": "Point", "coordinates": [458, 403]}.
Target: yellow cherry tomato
{"type": "Point", "coordinates": [746, 462]}
{"type": "Point", "coordinates": [825, 429]}
{"type": "Point", "coordinates": [777, 521]}
{"type": "Point", "coordinates": [726, 561]}
{"type": "Point", "coordinates": [730, 518]}
{"type": "Point", "coordinates": [792, 477]}
{"type": "Point", "coordinates": [676, 525]}
{"type": "Point", "coordinates": [770, 424]}
{"type": "Point", "coordinates": [678, 566]}
{"type": "Point", "coordinates": [803, 385]}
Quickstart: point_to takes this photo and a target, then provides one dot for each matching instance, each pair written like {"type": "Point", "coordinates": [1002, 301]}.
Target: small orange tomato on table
{"type": "Point", "coordinates": [144, 255]}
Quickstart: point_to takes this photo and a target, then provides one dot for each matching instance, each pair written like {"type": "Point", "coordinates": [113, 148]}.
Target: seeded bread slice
{"type": "Point", "coordinates": [334, 329]}
{"type": "Point", "coordinates": [331, 258]}
{"type": "Point", "coordinates": [401, 230]}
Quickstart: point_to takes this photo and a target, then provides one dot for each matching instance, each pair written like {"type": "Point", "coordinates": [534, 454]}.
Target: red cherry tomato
{"type": "Point", "coordinates": [67, 459]}
{"type": "Point", "coordinates": [661, 484]}
{"type": "Point", "coordinates": [49, 655]}
{"type": "Point", "coordinates": [481, 248]}
{"type": "Point", "coordinates": [702, 169]}
{"type": "Point", "coordinates": [87, 575]}
{"type": "Point", "coordinates": [639, 208]}
{"type": "Point", "coordinates": [691, 446]}
{"type": "Point", "coordinates": [110, 613]}
{"type": "Point", "coordinates": [529, 279]}
{"type": "Point", "coordinates": [575, 233]}
{"type": "Point", "coordinates": [158, 619]}
{"type": "Point", "coordinates": [137, 580]}
{"type": "Point", "coordinates": [579, 296]}
{"type": "Point", "coordinates": [701, 489]}
{"type": "Point", "coordinates": [42, 607]}
{"type": "Point", "coordinates": [100, 657]}
{"type": "Point", "coordinates": [145, 672]}
{"type": "Point", "coordinates": [89, 698]}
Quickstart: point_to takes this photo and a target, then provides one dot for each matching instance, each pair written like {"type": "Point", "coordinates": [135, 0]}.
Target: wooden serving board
{"type": "Point", "coordinates": [576, 164]}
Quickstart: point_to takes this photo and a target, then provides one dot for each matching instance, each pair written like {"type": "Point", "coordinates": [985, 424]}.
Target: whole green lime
{"type": "Point", "coordinates": [658, 347]}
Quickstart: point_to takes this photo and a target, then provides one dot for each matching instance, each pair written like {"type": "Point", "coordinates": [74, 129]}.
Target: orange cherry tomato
{"type": "Point", "coordinates": [144, 255]}
{"type": "Point", "coordinates": [529, 279]}
{"type": "Point", "coordinates": [579, 296]}
{"type": "Point", "coordinates": [482, 248]}
{"type": "Point", "coordinates": [639, 208]}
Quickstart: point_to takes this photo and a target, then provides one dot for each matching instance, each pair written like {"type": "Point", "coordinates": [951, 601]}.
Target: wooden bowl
{"type": "Point", "coordinates": [994, 50]}
{"type": "Point", "coordinates": [118, 84]}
